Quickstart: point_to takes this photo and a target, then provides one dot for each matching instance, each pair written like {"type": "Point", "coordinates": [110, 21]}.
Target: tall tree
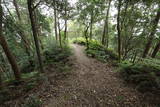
{"type": "Point", "coordinates": [22, 33]}
{"type": "Point", "coordinates": [86, 35]}
{"type": "Point", "coordinates": [60, 36]}
{"type": "Point", "coordinates": [55, 21]}
{"type": "Point", "coordinates": [106, 26]}
{"type": "Point", "coordinates": [118, 29]}
{"type": "Point", "coordinates": [151, 35]}
{"type": "Point", "coordinates": [91, 25]}
{"type": "Point", "coordinates": [65, 31]}
{"type": "Point", "coordinates": [6, 49]}
{"type": "Point", "coordinates": [31, 8]}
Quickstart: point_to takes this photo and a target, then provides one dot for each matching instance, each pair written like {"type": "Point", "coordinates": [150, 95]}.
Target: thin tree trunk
{"type": "Point", "coordinates": [22, 34]}
{"type": "Point", "coordinates": [17, 9]}
{"type": "Point", "coordinates": [55, 21]}
{"type": "Point", "coordinates": [151, 36]}
{"type": "Point", "coordinates": [134, 58]}
{"type": "Point", "coordinates": [65, 31]}
{"type": "Point", "coordinates": [8, 53]}
{"type": "Point", "coordinates": [1, 77]}
{"type": "Point", "coordinates": [119, 31]}
{"type": "Point", "coordinates": [34, 31]}
{"type": "Point", "coordinates": [106, 27]}
{"type": "Point", "coordinates": [125, 27]}
{"type": "Point", "coordinates": [60, 39]}
{"type": "Point", "coordinates": [39, 30]}
{"type": "Point", "coordinates": [91, 26]}
{"type": "Point", "coordinates": [86, 37]}
{"type": "Point", "coordinates": [156, 49]}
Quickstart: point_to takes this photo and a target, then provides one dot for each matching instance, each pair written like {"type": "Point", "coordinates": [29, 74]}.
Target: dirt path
{"type": "Point", "coordinates": [93, 84]}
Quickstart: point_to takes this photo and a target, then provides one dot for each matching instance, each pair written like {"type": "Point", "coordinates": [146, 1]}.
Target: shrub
{"type": "Point", "coordinates": [59, 57]}
{"type": "Point", "coordinates": [80, 41]}
{"type": "Point", "coordinates": [56, 54]}
{"type": "Point", "coordinates": [100, 52]}
{"type": "Point", "coordinates": [145, 75]}
{"type": "Point", "coordinates": [97, 50]}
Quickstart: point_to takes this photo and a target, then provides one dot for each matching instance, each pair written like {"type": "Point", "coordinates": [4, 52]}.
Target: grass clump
{"type": "Point", "coordinates": [145, 75]}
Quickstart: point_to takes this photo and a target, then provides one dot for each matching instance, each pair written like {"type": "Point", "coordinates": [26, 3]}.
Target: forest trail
{"type": "Point", "coordinates": [93, 84]}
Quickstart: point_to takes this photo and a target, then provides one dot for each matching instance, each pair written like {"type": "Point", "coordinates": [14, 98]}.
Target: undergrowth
{"type": "Point", "coordinates": [98, 51]}
{"type": "Point", "coordinates": [31, 78]}
{"type": "Point", "coordinates": [144, 74]}
{"type": "Point", "coordinates": [14, 89]}
{"type": "Point", "coordinates": [59, 57]}
{"type": "Point", "coordinates": [80, 41]}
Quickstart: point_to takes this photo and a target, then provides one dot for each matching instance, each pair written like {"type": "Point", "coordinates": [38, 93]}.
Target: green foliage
{"type": "Point", "coordinates": [58, 56]}
{"type": "Point", "coordinates": [14, 89]}
{"type": "Point", "coordinates": [97, 50]}
{"type": "Point", "coordinates": [135, 22]}
{"type": "Point", "coordinates": [80, 41]}
{"type": "Point", "coordinates": [145, 75]}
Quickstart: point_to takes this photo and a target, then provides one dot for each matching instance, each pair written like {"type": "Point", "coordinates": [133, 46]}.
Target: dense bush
{"type": "Point", "coordinates": [145, 75]}
{"type": "Point", "coordinates": [57, 54]}
{"type": "Point", "coordinates": [80, 41]}
{"type": "Point", "coordinates": [97, 50]}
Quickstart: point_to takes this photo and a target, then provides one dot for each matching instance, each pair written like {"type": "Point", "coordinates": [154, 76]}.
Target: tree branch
{"type": "Point", "coordinates": [34, 7]}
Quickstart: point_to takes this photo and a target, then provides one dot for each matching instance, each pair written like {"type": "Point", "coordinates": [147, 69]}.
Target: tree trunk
{"type": "Point", "coordinates": [55, 22]}
{"type": "Point", "coordinates": [39, 29]}
{"type": "Point", "coordinates": [8, 53]}
{"type": "Point", "coordinates": [22, 34]}
{"type": "Point", "coordinates": [106, 27]}
{"type": "Point", "coordinates": [118, 29]}
{"type": "Point", "coordinates": [86, 37]}
{"type": "Point", "coordinates": [1, 77]}
{"type": "Point", "coordinates": [17, 9]}
{"type": "Point", "coordinates": [65, 31]}
{"type": "Point", "coordinates": [91, 25]}
{"type": "Point", "coordinates": [60, 39]}
{"type": "Point", "coordinates": [151, 36]}
{"type": "Point", "coordinates": [156, 49]}
{"type": "Point", "coordinates": [134, 57]}
{"type": "Point", "coordinates": [34, 31]}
